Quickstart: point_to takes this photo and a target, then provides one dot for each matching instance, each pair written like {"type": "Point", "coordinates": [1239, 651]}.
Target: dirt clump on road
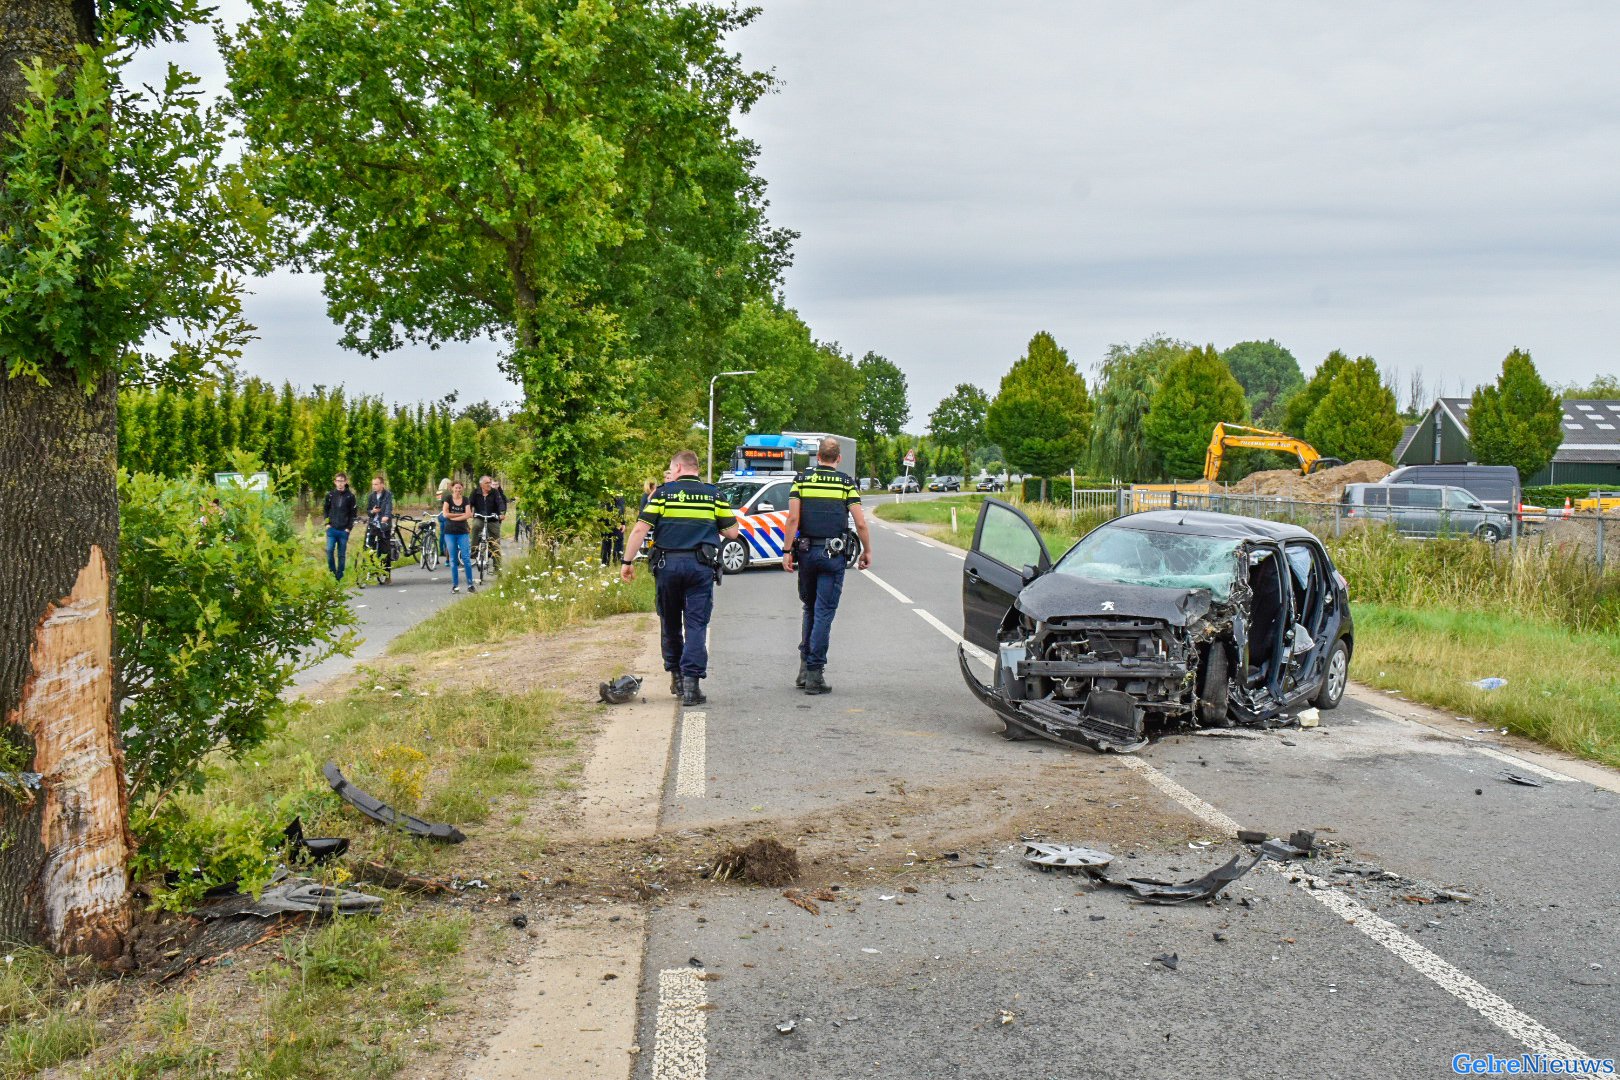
{"type": "Point", "coordinates": [766, 861]}
{"type": "Point", "coordinates": [1323, 486]}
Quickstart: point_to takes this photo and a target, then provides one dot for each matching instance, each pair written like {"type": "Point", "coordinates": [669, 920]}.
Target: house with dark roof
{"type": "Point", "coordinates": [1589, 453]}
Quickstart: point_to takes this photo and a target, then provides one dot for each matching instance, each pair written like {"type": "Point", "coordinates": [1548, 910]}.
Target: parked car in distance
{"type": "Point", "coordinates": [1496, 486]}
{"type": "Point", "coordinates": [944, 483]}
{"type": "Point", "coordinates": [870, 483]}
{"type": "Point", "coordinates": [1427, 510]}
{"type": "Point", "coordinates": [904, 484]}
{"type": "Point", "coordinates": [1156, 620]}
{"type": "Point", "coordinates": [990, 483]}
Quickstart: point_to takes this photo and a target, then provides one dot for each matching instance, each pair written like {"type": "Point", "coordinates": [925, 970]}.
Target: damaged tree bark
{"type": "Point", "coordinates": [64, 841]}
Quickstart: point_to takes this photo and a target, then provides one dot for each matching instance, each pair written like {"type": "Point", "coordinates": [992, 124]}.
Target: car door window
{"type": "Point", "coordinates": [1007, 538]}
{"type": "Point", "coordinates": [1427, 498]}
{"type": "Point", "coordinates": [1458, 499]}
{"type": "Point", "coordinates": [774, 497]}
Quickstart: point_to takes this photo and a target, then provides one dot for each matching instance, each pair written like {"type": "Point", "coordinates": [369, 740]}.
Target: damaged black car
{"type": "Point", "coordinates": [1151, 622]}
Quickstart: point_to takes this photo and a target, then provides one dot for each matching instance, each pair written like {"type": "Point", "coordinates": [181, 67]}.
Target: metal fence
{"type": "Point", "coordinates": [1586, 532]}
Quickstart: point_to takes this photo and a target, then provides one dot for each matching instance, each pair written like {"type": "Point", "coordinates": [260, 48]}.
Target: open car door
{"type": "Point", "coordinates": [1008, 553]}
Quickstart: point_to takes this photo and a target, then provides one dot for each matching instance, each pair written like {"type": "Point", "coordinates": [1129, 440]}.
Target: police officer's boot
{"type": "Point", "coordinates": [803, 671]}
{"type": "Point", "coordinates": [815, 682]}
{"type": "Point", "coordinates": [691, 691]}
{"type": "Point", "coordinates": [675, 683]}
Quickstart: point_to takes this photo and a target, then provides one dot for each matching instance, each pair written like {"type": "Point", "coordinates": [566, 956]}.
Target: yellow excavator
{"type": "Point", "coordinates": [1253, 438]}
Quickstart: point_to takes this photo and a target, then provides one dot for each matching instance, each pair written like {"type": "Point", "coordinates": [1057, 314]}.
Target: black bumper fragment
{"type": "Point", "coordinates": [1110, 720]}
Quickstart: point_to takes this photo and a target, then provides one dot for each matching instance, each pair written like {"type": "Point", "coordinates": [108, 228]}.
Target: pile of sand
{"type": "Point", "coordinates": [1324, 486]}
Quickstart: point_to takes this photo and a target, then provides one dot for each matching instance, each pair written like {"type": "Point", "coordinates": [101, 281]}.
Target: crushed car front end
{"type": "Point", "coordinates": [1098, 664]}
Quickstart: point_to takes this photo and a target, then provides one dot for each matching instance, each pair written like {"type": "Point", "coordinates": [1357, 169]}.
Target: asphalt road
{"type": "Point", "coordinates": [1000, 971]}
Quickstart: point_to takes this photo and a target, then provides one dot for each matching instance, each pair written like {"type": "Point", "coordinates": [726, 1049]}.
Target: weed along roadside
{"type": "Point", "coordinates": [483, 718]}
{"type": "Point", "coordinates": [1434, 617]}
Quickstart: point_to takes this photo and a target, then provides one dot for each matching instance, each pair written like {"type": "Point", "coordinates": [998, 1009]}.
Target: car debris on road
{"type": "Point", "coordinates": [377, 810]}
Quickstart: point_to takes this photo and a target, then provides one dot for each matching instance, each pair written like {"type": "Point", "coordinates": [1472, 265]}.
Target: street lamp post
{"type": "Point", "coordinates": [711, 416]}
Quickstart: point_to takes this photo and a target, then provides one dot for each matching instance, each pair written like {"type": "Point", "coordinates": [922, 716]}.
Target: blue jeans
{"type": "Point", "coordinates": [685, 596]}
{"type": "Point", "coordinates": [821, 583]}
{"type": "Point", "coordinates": [337, 550]}
{"type": "Point", "coordinates": [442, 549]}
{"type": "Point", "coordinates": [459, 551]}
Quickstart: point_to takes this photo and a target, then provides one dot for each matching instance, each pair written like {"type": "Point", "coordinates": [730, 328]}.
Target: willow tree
{"type": "Point", "coordinates": [114, 231]}
{"type": "Point", "coordinates": [562, 175]}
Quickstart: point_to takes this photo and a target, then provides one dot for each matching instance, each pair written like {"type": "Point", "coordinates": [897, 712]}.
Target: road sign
{"type": "Point", "coordinates": [911, 457]}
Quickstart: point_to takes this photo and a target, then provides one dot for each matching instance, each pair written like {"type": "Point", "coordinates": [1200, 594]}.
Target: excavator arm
{"type": "Point", "coordinates": [1252, 438]}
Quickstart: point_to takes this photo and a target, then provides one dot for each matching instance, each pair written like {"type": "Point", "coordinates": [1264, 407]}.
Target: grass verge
{"type": "Point", "coordinates": [1563, 685]}
{"type": "Point", "coordinates": [533, 594]}
{"type": "Point", "coordinates": [441, 733]}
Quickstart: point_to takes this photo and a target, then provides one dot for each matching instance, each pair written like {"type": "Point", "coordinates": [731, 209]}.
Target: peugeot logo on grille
{"type": "Point", "coordinates": [1108, 605]}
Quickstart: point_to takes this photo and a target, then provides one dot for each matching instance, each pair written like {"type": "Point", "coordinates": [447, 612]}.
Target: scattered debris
{"type": "Point", "coordinates": [1153, 891]}
{"type": "Point", "coordinates": [1310, 718]}
{"type": "Point", "coordinates": [1006, 1016]}
{"type": "Point", "coordinates": [1049, 857]}
{"type": "Point", "coordinates": [378, 810]}
{"type": "Point", "coordinates": [620, 690]}
{"type": "Point", "coordinates": [311, 849]}
{"type": "Point", "coordinates": [299, 895]}
{"type": "Point", "coordinates": [1253, 836]}
{"type": "Point", "coordinates": [1452, 896]}
{"type": "Point", "coordinates": [1492, 683]}
{"type": "Point", "coordinates": [787, 1027]}
{"type": "Point", "coordinates": [794, 896]}
{"type": "Point", "coordinates": [766, 862]}
{"type": "Point", "coordinates": [1219, 936]}
{"type": "Point", "coordinates": [1519, 778]}
{"type": "Point", "coordinates": [376, 873]}
{"type": "Point", "coordinates": [1169, 960]}
{"type": "Point", "coordinates": [520, 920]}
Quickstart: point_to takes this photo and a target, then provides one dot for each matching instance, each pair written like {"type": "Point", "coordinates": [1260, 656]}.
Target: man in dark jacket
{"type": "Point", "coordinates": [380, 524]}
{"type": "Point", "coordinates": [340, 513]}
{"type": "Point", "coordinates": [489, 507]}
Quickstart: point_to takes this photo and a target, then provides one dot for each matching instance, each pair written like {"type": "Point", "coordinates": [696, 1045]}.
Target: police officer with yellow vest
{"type": "Point", "coordinates": [819, 507]}
{"type": "Point", "coordinates": [687, 518]}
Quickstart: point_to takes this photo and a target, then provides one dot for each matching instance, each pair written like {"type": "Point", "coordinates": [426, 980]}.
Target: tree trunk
{"type": "Point", "coordinates": [64, 839]}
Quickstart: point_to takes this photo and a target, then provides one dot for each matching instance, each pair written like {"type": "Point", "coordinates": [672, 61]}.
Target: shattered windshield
{"type": "Point", "coordinates": [737, 493]}
{"type": "Point", "coordinates": [1163, 559]}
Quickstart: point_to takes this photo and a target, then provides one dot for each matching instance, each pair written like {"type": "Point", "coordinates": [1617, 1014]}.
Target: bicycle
{"type": "Point", "coordinates": [488, 549]}
{"type": "Point", "coordinates": [417, 539]}
{"type": "Point", "coordinates": [522, 530]}
{"type": "Point", "coordinates": [384, 546]}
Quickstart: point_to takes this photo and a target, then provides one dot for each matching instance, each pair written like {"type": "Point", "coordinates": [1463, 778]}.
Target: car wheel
{"type": "Point", "coordinates": [1336, 678]}
{"type": "Point", "coordinates": [1488, 533]}
{"type": "Point", "coordinates": [734, 556]}
{"type": "Point", "coordinates": [1214, 686]}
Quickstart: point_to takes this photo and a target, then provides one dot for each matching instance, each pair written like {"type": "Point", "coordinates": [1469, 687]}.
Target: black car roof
{"type": "Point", "coordinates": [1208, 523]}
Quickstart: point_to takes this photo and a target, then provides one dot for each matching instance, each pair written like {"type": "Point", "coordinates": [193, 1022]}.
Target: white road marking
{"type": "Point", "coordinates": [972, 650]}
{"type": "Point", "coordinates": [680, 1032]}
{"type": "Point", "coordinates": [886, 587]}
{"type": "Point", "coordinates": [690, 770]}
{"type": "Point", "coordinates": [1493, 1007]}
{"type": "Point", "coordinates": [1527, 766]}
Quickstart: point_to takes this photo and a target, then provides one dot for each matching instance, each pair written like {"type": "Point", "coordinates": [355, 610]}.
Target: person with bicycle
{"type": "Point", "coordinates": [456, 510]}
{"type": "Point", "coordinates": [489, 507]}
{"type": "Point", "coordinates": [380, 523]}
{"type": "Point", "coordinates": [340, 512]}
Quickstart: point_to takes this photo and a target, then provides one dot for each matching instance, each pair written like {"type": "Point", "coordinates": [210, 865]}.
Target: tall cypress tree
{"type": "Point", "coordinates": [1518, 421]}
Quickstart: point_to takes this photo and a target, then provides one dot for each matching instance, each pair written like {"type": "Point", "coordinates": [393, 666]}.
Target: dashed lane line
{"type": "Point", "coordinates": [692, 766]}
{"type": "Point", "coordinates": [680, 1031]}
{"type": "Point", "coordinates": [1487, 1003]}
{"type": "Point", "coordinates": [886, 587]}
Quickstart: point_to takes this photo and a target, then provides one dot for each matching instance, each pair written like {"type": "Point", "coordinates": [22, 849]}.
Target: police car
{"type": "Point", "coordinates": [761, 506]}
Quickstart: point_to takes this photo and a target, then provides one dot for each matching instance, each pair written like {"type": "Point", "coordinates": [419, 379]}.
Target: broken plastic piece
{"type": "Point", "coordinates": [1281, 850]}
{"type": "Point", "coordinates": [1253, 836]}
{"type": "Point", "coordinates": [377, 810]}
{"type": "Point", "coordinates": [1490, 684]}
{"type": "Point", "coordinates": [1169, 960]}
{"type": "Point", "coordinates": [786, 1027]}
{"type": "Point", "coordinates": [1065, 857]}
{"type": "Point", "coordinates": [1518, 778]}
{"type": "Point", "coordinates": [1303, 839]}
{"type": "Point", "coordinates": [1151, 891]}
{"type": "Point", "coordinates": [295, 896]}
{"type": "Point", "coordinates": [620, 690]}
{"type": "Point", "coordinates": [316, 849]}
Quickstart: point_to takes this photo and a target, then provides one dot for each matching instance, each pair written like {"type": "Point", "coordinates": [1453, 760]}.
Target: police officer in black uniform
{"type": "Point", "coordinates": [819, 507]}
{"type": "Point", "coordinates": [687, 518]}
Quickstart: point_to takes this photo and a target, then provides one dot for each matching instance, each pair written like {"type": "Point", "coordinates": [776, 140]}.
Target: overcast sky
{"type": "Point", "coordinates": [1428, 184]}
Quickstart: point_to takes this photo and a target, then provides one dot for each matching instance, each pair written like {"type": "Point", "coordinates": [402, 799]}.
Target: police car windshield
{"type": "Point", "coordinates": [736, 492]}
